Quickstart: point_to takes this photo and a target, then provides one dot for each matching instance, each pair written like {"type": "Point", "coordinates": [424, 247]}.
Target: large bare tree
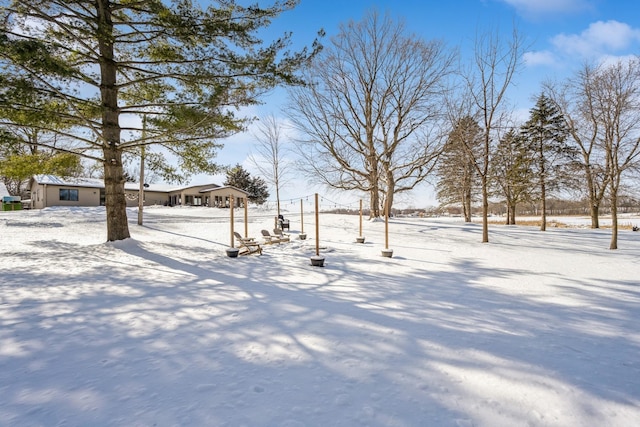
{"type": "Point", "coordinates": [616, 94]}
{"type": "Point", "coordinates": [369, 117]}
{"type": "Point", "coordinates": [601, 106]}
{"type": "Point", "coordinates": [575, 99]}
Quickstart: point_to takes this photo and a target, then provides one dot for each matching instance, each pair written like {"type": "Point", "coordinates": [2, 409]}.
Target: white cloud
{"type": "Point", "coordinates": [600, 38]}
{"type": "Point", "coordinates": [537, 8]}
{"type": "Point", "coordinates": [543, 57]}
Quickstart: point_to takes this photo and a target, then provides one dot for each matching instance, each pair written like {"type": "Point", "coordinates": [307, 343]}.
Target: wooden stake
{"type": "Point", "coordinates": [231, 216]}
{"type": "Point", "coordinates": [360, 218]}
{"type": "Point", "coordinates": [386, 224]}
{"type": "Point", "coordinates": [246, 217]}
{"type": "Point", "coordinates": [317, 229]}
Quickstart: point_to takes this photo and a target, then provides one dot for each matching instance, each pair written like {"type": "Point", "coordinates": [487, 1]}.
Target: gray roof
{"type": "Point", "coordinates": [99, 183]}
{"type": "Point", "coordinates": [3, 190]}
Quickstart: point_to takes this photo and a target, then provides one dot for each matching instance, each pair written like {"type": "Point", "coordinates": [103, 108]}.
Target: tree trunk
{"type": "Point", "coordinates": [594, 204]}
{"type": "Point", "coordinates": [485, 210]}
{"type": "Point", "coordinates": [512, 212]}
{"type": "Point", "coordinates": [468, 203]}
{"type": "Point", "coordinates": [614, 218]}
{"type": "Point", "coordinates": [543, 193]}
{"type": "Point", "coordinates": [543, 224]}
{"type": "Point", "coordinates": [391, 189]}
{"type": "Point", "coordinates": [595, 215]}
{"type": "Point", "coordinates": [374, 203]}
{"type": "Point", "coordinates": [115, 201]}
{"type": "Point", "coordinates": [116, 204]}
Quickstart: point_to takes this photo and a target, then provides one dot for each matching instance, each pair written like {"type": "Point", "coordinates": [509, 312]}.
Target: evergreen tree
{"type": "Point", "coordinates": [546, 133]}
{"type": "Point", "coordinates": [457, 174]}
{"type": "Point", "coordinates": [238, 177]}
{"type": "Point", "coordinates": [511, 172]}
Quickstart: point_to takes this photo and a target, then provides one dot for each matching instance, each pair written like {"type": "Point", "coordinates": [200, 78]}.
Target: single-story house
{"type": "Point", "coordinates": [51, 190]}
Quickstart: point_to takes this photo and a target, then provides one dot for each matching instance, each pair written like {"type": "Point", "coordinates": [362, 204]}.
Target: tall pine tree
{"type": "Point", "coordinates": [238, 177]}
{"type": "Point", "coordinates": [546, 134]}
{"type": "Point", "coordinates": [511, 172]}
{"type": "Point", "coordinates": [457, 174]}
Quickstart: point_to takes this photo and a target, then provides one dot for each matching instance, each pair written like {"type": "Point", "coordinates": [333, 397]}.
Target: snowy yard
{"type": "Point", "coordinates": [532, 329]}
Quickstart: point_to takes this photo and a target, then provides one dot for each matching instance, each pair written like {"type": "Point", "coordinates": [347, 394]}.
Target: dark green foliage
{"type": "Point", "coordinates": [457, 173]}
{"type": "Point", "coordinates": [511, 172]}
{"type": "Point", "coordinates": [256, 187]}
{"type": "Point", "coordinates": [546, 135]}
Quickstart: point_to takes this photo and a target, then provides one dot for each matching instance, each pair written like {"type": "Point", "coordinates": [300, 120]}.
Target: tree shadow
{"type": "Point", "coordinates": [171, 333]}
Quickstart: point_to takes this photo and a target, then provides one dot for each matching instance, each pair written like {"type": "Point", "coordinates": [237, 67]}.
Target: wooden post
{"type": "Point", "coordinates": [231, 216]}
{"type": "Point", "coordinates": [246, 217]}
{"type": "Point", "coordinates": [141, 189]}
{"type": "Point", "coordinates": [317, 229]}
{"type": "Point", "coordinates": [142, 153]}
{"type": "Point", "coordinates": [301, 218]}
{"type": "Point", "coordinates": [360, 218]}
{"type": "Point", "coordinates": [386, 224]}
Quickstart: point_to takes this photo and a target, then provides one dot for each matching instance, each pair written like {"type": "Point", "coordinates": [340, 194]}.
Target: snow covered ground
{"type": "Point", "coordinates": [163, 329]}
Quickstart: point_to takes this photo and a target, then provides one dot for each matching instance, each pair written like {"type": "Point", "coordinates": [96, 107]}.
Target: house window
{"type": "Point", "coordinates": [69, 195]}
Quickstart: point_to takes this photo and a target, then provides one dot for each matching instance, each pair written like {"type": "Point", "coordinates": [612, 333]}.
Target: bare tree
{"type": "Point", "coordinates": [496, 60]}
{"type": "Point", "coordinates": [601, 105]}
{"type": "Point", "coordinates": [575, 99]}
{"type": "Point", "coordinates": [616, 90]}
{"type": "Point", "coordinates": [369, 117]}
{"type": "Point", "coordinates": [269, 158]}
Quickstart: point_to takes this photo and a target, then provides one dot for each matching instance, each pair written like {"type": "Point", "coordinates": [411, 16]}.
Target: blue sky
{"type": "Point", "coordinates": [561, 36]}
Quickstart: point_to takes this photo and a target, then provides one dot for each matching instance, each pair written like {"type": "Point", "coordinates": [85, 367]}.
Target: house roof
{"type": "Point", "coordinates": [132, 186]}
{"type": "Point", "coordinates": [3, 190]}
{"type": "Point", "coordinates": [217, 187]}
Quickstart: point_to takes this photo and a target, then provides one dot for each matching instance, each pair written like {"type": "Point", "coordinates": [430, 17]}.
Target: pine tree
{"type": "Point", "coordinates": [457, 175]}
{"type": "Point", "coordinates": [546, 133]}
{"type": "Point", "coordinates": [238, 177]}
{"type": "Point", "coordinates": [511, 172]}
